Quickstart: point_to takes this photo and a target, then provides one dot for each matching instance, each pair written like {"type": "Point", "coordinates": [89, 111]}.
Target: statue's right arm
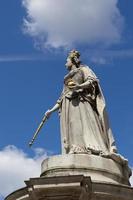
{"type": "Point", "coordinates": [53, 109]}
{"type": "Point", "coordinates": [56, 106]}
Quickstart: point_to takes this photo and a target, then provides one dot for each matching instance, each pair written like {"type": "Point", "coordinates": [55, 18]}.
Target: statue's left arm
{"type": "Point", "coordinates": [89, 78]}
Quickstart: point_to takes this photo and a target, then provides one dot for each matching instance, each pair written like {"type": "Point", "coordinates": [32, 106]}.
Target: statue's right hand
{"type": "Point", "coordinates": [48, 113]}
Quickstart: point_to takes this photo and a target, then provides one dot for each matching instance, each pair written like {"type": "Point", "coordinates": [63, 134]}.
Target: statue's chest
{"type": "Point", "coordinates": [78, 77]}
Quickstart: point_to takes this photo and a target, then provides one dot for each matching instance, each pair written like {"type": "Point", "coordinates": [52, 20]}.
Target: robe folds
{"type": "Point", "coordinates": [83, 117]}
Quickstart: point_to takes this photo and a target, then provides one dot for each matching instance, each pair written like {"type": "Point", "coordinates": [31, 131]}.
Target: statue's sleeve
{"type": "Point", "coordinates": [88, 74]}
{"type": "Point", "coordinates": [59, 101]}
{"type": "Point", "coordinates": [91, 79]}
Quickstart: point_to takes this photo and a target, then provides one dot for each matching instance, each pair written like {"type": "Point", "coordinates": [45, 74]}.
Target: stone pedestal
{"type": "Point", "coordinates": [71, 188]}
{"type": "Point", "coordinates": [98, 168]}
{"type": "Point", "coordinates": [77, 177]}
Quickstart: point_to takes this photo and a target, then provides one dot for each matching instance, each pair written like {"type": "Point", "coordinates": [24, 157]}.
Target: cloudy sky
{"type": "Point", "coordinates": [35, 37]}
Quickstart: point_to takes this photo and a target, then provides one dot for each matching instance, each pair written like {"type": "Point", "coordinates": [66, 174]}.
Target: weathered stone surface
{"type": "Point", "coordinates": [90, 167]}
{"type": "Point", "coordinates": [83, 118]}
{"type": "Point", "coordinates": [71, 188]}
{"type": "Point", "coordinates": [98, 168]}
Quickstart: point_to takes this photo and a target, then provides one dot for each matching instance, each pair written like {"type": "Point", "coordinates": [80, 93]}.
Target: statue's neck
{"type": "Point", "coordinates": [73, 67]}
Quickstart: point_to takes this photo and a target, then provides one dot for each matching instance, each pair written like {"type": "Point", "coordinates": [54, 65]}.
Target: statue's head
{"type": "Point", "coordinates": [73, 59]}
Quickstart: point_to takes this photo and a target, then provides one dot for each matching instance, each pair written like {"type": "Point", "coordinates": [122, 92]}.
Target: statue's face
{"type": "Point", "coordinates": [68, 64]}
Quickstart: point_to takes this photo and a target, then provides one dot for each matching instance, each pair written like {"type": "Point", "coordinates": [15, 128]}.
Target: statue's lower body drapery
{"type": "Point", "coordinates": [81, 129]}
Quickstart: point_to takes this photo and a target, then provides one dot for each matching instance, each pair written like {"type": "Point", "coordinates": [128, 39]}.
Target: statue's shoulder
{"type": "Point", "coordinates": [85, 69]}
{"type": "Point", "coordinates": [88, 71]}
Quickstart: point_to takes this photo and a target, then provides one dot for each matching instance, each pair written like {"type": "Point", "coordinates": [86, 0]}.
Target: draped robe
{"type": "Point", "coordinates": [83, 117]}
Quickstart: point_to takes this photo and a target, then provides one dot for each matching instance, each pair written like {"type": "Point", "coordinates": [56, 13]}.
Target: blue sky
{"type": "Point", "coordinates": [32, 71]}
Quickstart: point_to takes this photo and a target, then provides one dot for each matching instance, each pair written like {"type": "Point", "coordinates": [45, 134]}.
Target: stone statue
{"type": "Point", "coordinates": [89, 166]}
{"type": "Point", "coordinates": [83, 117]}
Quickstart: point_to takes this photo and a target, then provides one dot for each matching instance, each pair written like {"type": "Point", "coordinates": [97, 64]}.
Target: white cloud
{"type": "Point", "coordinates": [98, 60]}
{"type": "Point", "coordinates": [104, 56]}
{"type": "Point", "coordinates": [16, 166]}
{"type": "Point", "coordinates": [19, 58]}
{"type": "Point", "coordinates": [66, 23]}
{"type": "Point", "coordinates": [15, 58]}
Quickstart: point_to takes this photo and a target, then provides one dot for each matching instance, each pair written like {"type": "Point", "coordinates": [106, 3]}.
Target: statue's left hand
{"type": "Point", "coordinates": [76, 87]}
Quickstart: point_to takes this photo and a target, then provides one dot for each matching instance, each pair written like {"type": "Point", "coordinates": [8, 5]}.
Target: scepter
{"type": "Point", "coordinates": [46, 116]}
{"type": "Point", "coordinates": [38, 130]}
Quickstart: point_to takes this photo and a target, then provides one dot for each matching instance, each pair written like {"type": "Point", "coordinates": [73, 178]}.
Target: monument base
{"type": "Point", "coordinates": [78, 177]}
{"type": "Point", "coordinates": [71, 188]}
{"type": "Point", "coordinates": [98, 168]}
